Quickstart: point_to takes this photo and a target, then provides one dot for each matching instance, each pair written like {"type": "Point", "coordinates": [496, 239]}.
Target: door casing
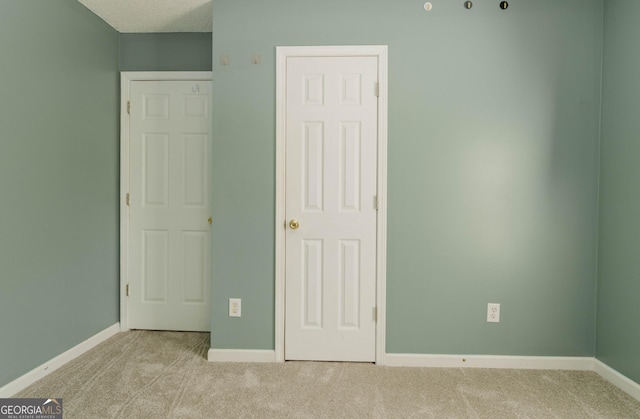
{"type": "Point", "coordinates": [126, 77]}
{"type": "Point", "coordinates": [282, 53]}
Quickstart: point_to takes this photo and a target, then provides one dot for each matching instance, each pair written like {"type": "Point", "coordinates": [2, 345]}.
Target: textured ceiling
{"type": "Point", "coordinates": [131, 16]}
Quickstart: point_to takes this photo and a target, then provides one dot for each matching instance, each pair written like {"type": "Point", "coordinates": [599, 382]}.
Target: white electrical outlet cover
{"type": "Point", "coordinates": [493, 313]}
{"type": "Point", "coordinates": [235, 307]}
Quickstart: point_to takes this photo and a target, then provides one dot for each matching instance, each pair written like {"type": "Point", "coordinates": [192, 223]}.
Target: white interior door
{"type": "Point", "coordinates": [331, 187]}
{"type": "Point", "coordinates": [169, 232]}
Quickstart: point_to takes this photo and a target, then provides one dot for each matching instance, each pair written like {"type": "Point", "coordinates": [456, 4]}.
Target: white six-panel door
{"type": "Point", "coordinates": [331, 187]}
{"type": "Point", "coordinates": [169, 233]}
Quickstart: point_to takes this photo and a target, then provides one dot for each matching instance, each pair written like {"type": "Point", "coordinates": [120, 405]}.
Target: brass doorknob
{"type": "Point", "coordinates": [294, 224]}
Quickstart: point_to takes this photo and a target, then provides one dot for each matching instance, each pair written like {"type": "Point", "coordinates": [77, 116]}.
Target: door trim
{"type": "Point", "coordinates": [126, 77]}
{"type": "Point", "coordinates": [282, 53]}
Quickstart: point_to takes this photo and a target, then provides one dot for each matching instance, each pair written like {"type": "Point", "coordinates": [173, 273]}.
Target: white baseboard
{"type": "Point", "coordinates": [48, 367]}
{"type": "Point", "coordinates": [489, 361]}
{"type": "Point", "coordinates": [614, 377]}
{"type": "Point", "coordinates": [393, 360]}
{"type": "Point", "coordinates": [241, 355]}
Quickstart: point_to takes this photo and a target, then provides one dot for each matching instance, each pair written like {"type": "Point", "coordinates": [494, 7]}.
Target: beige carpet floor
{"type": "Point", "coordinates": [142, 374]}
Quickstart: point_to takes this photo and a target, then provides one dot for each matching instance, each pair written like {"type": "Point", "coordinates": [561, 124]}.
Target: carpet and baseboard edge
{"type": "Point", "coordinates": [241, 355]}
{"type": "Point", "coordinates": [53, 364]}
{"type": "Point", "coordinates": [393, 360]}
{"type": "Point", "coordinates": [489, 361]}
{"type": "Point", "coordinates": [462, 361]}
{"type": "Point", "coordinates": [619, 380]}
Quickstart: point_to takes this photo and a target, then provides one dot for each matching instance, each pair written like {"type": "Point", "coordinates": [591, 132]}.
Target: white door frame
{"type": "Point", "coordinates": [126, 77]}
{"type": "Point", "coordinates": [282, 53]}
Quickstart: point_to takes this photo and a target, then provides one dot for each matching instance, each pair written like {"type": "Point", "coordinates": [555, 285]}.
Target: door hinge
{"type": "Point", "coordinates": [377, 91]}
{"type": "Point", "coordinates": [375, 314]}
{"type": "Point", "coordinates": [376, 203]}
{"type": "Point", "coordinates": [129, 107]}
{"type": "Point", "coordinates": [127, 290]}
{"type": "Point", "coordinates": [128, 199]}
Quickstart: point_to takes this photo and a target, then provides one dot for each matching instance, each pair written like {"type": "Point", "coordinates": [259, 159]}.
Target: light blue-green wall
{"type": "Point", "coordinates": [493, 168]}
{"type": "Point", "coordinates": [165, 51]}
{"type": "Point", "coordinates": [618, 325]}
{"type": "Point", "coordinates": [58, 180]}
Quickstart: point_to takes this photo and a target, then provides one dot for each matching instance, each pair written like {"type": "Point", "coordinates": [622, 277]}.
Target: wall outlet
{"type": "Point", "coordinates": [493, 313]}
{"type": "Point", "coordinates": [235, 307]}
